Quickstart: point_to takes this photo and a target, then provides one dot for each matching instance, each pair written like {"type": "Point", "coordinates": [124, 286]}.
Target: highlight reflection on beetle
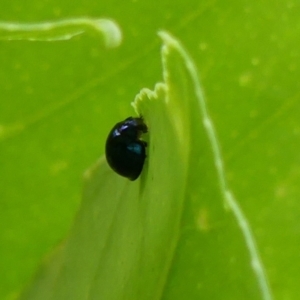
{"type": "Point", "coordinates": [125, 151]}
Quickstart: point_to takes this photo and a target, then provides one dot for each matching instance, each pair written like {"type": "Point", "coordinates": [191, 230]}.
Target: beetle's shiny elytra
{"type": "Point", "coordinates": [125, 152]}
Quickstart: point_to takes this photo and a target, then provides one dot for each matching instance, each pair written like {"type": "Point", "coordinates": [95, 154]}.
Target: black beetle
{"type": "Point", "coordinates": [125, 152]}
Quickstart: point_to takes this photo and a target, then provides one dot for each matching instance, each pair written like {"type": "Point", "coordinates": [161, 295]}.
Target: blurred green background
{"type": "Point", "coordinates": [59, 100]}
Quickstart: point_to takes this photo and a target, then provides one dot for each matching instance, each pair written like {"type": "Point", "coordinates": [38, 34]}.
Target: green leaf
{"type": "Point", "coordinates": [158, 237]}
{"type": "Point", "coordinates": [59, 100]}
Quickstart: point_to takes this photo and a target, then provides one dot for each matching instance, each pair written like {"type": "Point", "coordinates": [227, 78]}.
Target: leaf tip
{"type": "Point", "coordinates": [147, 94]}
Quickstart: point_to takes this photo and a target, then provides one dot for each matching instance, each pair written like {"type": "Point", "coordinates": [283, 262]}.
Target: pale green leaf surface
{"type": "Point", "coordinates": [123, 240]}
{"type": "Point", "coordinates": [132, 240]}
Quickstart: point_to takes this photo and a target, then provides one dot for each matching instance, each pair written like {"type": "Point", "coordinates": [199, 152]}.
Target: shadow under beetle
{"type": "Point", "coordinates": [125, 152]}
